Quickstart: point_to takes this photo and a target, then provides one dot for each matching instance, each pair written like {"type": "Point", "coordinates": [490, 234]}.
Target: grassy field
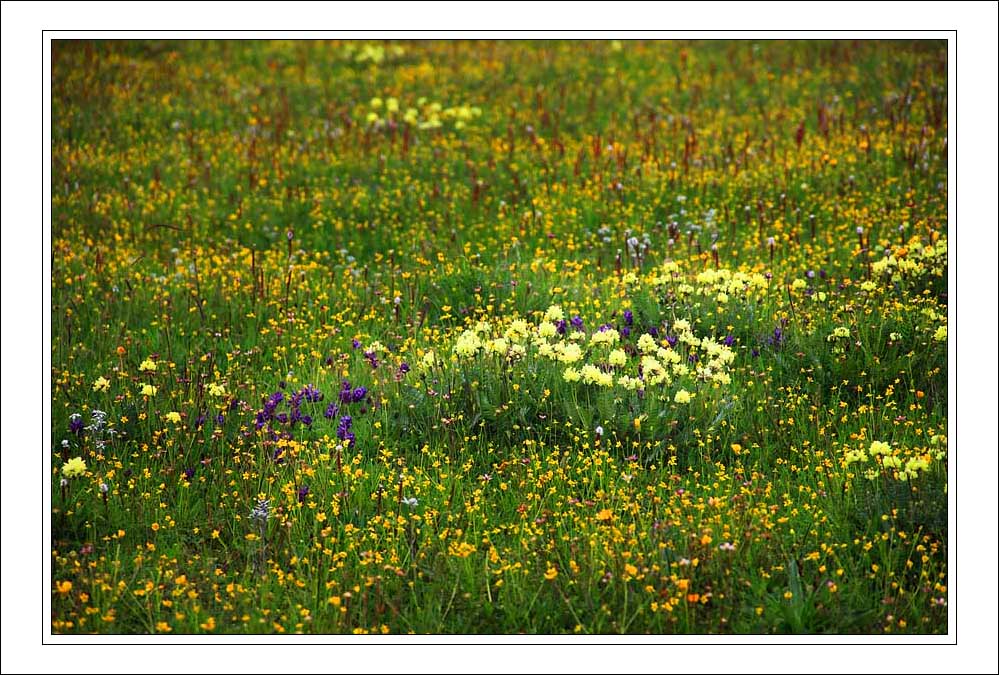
{"type": "Point", "coordinates": [499, 337]}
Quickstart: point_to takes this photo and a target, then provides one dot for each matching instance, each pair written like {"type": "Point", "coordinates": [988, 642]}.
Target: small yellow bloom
{"type": "Point", "coordinates": [148, 390]}
{"type": "Point", "coordinates": [147, 366]}
{"type": "Point", "coordinates": [64, 587]}
{"type": "Point", "coordinates": [551, 573]}
{"type": "Point", "coordinates": [173, 417]}
{"type": "Point", "coordinates": [102, 384]}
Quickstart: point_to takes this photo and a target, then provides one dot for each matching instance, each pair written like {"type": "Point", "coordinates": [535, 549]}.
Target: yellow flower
{"type": "Point", "coordinates": [941, 334]}
{"type": "Point", "coordinates": [147, 366]}
{"type": "Point", "coordinates": [74, 467]}
{"type": "Point", "coordinates": [148, 390]}
{"type": "Point", "coordinates": [551, 573]}
{"type": "Point", "coordinates": [462, 550]}
{"type": "Point", "coordinates": [102, 384]}
{"type": "Point", "coordinates": [173, 417]}
{"type": "Point", "coordinates": [683, 396]}
{"type": "Point", "coordinates": [215, 389]}
{"type": "Point", "coordinates": [429, 359]}
{"type": "Point", "coordinates": [554, 314]}
{"type": "Point", "coordinates": [647, 343]}
{"type": "Point", "coordinates": [64, 587]}
{"type": "Point", "coordinates": [468, 344]}
{"type": "Point", "coordinates": [879, 448]}
{"type": "Point", "coordinates": [569, 353]}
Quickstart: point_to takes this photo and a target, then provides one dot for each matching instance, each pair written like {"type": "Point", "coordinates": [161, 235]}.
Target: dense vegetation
{"type": "Point", "coordinates": [499, 337]}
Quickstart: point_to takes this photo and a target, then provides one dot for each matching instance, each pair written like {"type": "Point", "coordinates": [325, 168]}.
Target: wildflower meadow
{"type": "Point", "coordinates": [498, 337]}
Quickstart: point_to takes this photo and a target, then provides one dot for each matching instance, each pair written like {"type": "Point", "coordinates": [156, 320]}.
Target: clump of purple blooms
{"type": "Point", "coordinates": [282, 412]}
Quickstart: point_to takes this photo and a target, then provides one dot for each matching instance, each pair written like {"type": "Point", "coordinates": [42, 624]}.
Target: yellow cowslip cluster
{"type": "Point", "coordinates": [892, 463]}
{"type": "Point", "coordinates": [423, 114]}
{"type": "Point", "coordinates": [372, 52]}
{"type": "Point", "coordinates": [596, 359]}
{"type": "Point", "coordinates": [720, 284]}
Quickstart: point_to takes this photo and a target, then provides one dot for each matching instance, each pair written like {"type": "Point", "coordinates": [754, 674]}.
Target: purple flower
{"type": "Point", "coordinates": [331, 411]}
{"type": "Point", "coordinates": [403, 368]}
{"type": "Point", "coordinates": [729, 340]}
{"type": "Point", "coordinates": [355, 343]}
{"type": "Point", "coordinates": [312, 395]}
{"type": "Point", "coordinates": [345, 392]}
{"type": "Point", "coordinates": [629, 318]}
{"type": "Point", "coordinates": [372, 358]}
{"type": "Point", "coordinates": [200, 422]}
{"type": "Point", "coordinates": [359, 394]}
{"type": "Point", "coordinates": [671, 340]}
{"type": "Point", "coordinates": [692, 358]}
{"type": "Point", "coordinates": [654, 331]}
{"type": "Point", "coordinates": [577, 322]}
{"type": "Point", "coordinates": [560, 326]}
{"type": "Point", "coordinates": [220, 419]}
{"type": "Point", "coordinates": [303, 492]}
{"type": "Point", "coordinates": [343, 427]}
{"type": "Point", "coordinates": [188, 474]}
{"type": "Point", "coordinates": [76, 424]}
{"type": "Point", "coordinates": [777, 339]}
{"type": "Point", "coordinates": [625, 332]}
